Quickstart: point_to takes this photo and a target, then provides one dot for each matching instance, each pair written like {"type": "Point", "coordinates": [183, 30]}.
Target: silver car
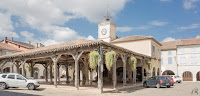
{"type": "Point", "coordinates": [15, 80]}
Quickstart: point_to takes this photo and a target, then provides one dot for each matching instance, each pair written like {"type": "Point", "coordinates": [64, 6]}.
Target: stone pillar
{"type": "Point", "coordinates": [114, 72]}
{"type": "Point", "coordinates": [124, 59]}
{"type": "Point", "coordinates": [100, 70]}
{"type": "Point", "coordinates": [76, 57]}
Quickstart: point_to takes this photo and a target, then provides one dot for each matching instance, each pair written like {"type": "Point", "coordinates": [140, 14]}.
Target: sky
{"type": "Point", "coordinates": [56, 21]}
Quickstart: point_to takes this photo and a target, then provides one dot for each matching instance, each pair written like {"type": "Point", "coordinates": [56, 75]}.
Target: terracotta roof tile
{"type": "Point", "coordinates": [68, 46]}
{"type": "Point", "coordinates": [8, 47]}
{"type": "Point", "coordinates": [192, 41]}
{"type": "Point", "coordinates": [29, 46]}
{"type": "Point", "coordinates": [130, 38]}
{"type": "Point", "coordinates": [169, 45]}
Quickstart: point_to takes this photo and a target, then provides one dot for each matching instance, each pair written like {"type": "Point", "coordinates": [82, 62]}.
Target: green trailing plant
{"type": "Point", "coordinates": [29, 68]}
{"type": "Point", "coordinates": [149, 65]}
{"type": "Point", "coordinates": [133, 62]}
{"type": "Point", "coordinates": [93, 59]}
{"type": "Point", "coordinates": [109, 56]}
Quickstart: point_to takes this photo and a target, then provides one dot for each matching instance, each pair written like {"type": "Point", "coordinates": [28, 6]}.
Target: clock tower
{"type": "Point", "coordinates": [107, 30]}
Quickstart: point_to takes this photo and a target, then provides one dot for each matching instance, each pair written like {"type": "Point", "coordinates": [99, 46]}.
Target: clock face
{"type": "Point", "coordinates": [103, 31]}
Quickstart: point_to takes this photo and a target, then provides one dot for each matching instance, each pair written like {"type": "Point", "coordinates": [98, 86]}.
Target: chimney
{"type": "Point", "coordinates": [11, 38]}
{"type": "Point", "coordinates": [5, 39]}
{"type": "Point", "coordinates": [29, 42]}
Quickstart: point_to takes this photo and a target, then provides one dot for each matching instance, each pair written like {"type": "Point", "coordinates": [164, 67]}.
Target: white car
{"type": "Point", "coordinates": [176, 78]}
{"type": "Point", "coordinates": [13, 80]}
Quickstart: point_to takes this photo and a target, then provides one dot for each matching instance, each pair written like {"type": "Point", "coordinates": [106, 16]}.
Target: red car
{"type": "Point", "coordinates": [172, 80]}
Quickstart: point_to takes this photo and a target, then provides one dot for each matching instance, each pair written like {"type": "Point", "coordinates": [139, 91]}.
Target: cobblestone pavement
{"type": "Point", "coordinates": [183, 89]}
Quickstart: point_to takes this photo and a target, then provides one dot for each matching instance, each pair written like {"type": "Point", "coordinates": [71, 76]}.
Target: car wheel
{"type": "Point", "coordinates": [158, 85]}
{"type": "Point", "coordinates": [31, 86]}
{"type": "Point", "coordinates": [168, 86]}
{"type": "Point", "coordinates": [145, 85]}
{"type": "Point", "coordinates": [179, 82]}
{"type": "Point", "coordinates": [3, 86]}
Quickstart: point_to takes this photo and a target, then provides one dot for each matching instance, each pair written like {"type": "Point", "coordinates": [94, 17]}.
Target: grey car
{"type": "Point", "coordinates": [157, 81]}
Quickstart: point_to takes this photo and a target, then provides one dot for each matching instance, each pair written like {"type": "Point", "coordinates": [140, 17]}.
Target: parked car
{"type": "Point", "coordinates": [176, 78]}
{"type": "Point", "coordinates": [15, 80]}
{"type": "Point", "coordinates": [157, 81]}
{"type": "Point", "coordinates": [172, 80]}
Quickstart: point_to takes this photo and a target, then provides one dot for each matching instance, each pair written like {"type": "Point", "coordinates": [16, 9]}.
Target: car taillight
{"type": "Point", "coordinates": [160, 80]}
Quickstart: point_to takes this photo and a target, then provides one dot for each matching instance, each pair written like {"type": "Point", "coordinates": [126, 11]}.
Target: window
{"type": "Point", "coordinates": [193, 49]}
{"type": "Point", "coordinates": [182, 60]}
{"type": "Point", "coordinates": [194, 60]}
{"type": "Point", "coordinates": [19, 77]}
{"type": "Point", "coordinates": [153, 49]}
{"type": "Point", "coordinates": [158, 52]}
{"type": "Point", "coordinates": [11, 76]}
{"type": "Point", "coordinates": [169, 60]}
{"type": "Point", "coordinates": [181, 50]}
{"type": "Point", "coordinates": [169, 52]}
{"type": "Point", "coordinates": [3, 76]}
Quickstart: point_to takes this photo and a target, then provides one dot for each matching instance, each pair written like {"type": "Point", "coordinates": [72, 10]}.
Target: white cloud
{"type": "Point", "coordinates": [193, 26]}
{"type": "Point", "coordinates": [198, 36]}
{"type": "Point", "coordinates": [188, 4]}
{"type": "Point", "coordinates": [90, 38]}
{"type": "Point", "coordinates": [28, 35]}
{"type": "Point", "coordinates": [158, 23]}
{"type": "Point", "coordinates": [124, 29]}
{"type": "Point", "coordinates": [6, 28]}
{"type": "Point", "coordinates": [168, 39]}
{"type": "Point", "coordinates": [165, 0]}
{"type": "Point", "coordinates": [47, 16]}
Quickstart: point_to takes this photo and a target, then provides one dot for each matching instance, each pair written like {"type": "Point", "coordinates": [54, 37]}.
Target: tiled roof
{"type": "Point", "coordinates": [169, 45]}
{"type": "Point", "coordinates": [8, 47]}
{"type": "Point", "coordinates": [68, 46]}
{"type": "Point", "coordinates": [193, 41]}
{"type": "Point", "coordinates": [131, 38]}
{"type": "Point", "coordinates": [29, 46]}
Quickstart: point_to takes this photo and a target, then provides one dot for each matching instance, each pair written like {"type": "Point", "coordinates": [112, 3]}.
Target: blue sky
{"type": "Point", "coordinates": [56, 21]}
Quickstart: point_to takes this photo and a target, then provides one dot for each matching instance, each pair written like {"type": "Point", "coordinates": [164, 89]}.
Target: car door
{"type": "Point", "coordinates": [11, 81]}
{"type": "Point", "coordinates": [149, 81]}
{"type": "Point", "coordinates": [21, 81]}
{"type": "Point", "coordinates": [153, 81]}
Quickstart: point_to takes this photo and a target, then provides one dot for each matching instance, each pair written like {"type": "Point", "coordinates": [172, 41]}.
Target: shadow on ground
{"type": "Point", "coordinates": [7, 93]}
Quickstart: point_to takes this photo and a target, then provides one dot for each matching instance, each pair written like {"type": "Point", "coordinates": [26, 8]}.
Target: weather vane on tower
{"type": "Point", "coordinates": [107, 17]}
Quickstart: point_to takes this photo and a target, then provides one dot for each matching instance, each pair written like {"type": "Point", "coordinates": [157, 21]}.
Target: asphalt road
{"type": "Point", "coordinates": [182, 89]}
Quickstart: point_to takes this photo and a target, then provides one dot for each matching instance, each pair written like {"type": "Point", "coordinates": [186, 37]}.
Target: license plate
{"type": "Point", "coordinates": [167, 83]}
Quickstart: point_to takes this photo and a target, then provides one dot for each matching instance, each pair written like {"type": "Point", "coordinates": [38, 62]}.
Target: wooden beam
{"type": "Point", "coordinates": [55, 59]}
{"type": "Point", "coordinates": [76, 57]}
{"type": "Point", "coordinates": [100, 70]}
{"type": "Point", "coordinates": [124, 59]}
{"type": "Point", "coordinates": [114, 71]}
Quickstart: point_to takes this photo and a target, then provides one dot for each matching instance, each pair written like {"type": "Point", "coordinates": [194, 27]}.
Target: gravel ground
{"type": "Point", "coordinates": [182, 89]}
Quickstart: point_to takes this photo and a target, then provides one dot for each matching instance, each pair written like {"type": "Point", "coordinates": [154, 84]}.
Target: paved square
{"type": "Point", "coordinates": [183, 89]}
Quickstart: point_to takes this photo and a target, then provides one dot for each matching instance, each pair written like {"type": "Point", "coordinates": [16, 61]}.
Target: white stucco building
{"type": "Point", "coordinates": [183, 59]}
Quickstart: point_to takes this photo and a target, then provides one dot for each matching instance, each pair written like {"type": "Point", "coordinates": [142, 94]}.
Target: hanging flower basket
{"type": "Point", "coordinates": [149, 65]}
{"type": "Point", "coordinates": [133, 62]}
{"type": "Point", "coordinates": [109, 56]}
{"type": "Point", "coordinates": [29, 68]}
{"type": "Point", "coordinates": [93, 59]}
